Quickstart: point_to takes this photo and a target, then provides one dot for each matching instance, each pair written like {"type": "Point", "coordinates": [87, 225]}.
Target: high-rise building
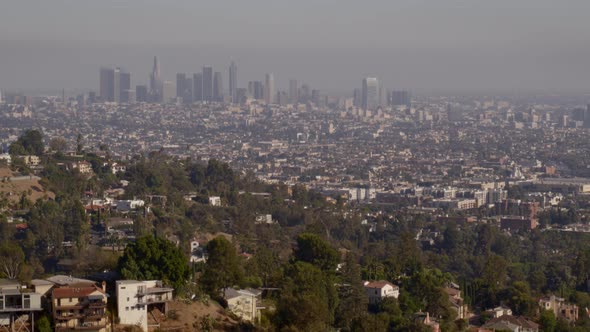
{"type": "Point", "coordinates": [208, 83]}
{"type": "Point", "coordinates": [256, 89]}
{"type": "Point", "coordinates": [168, 92]}
{"type": "Point", "coordinates": [156, 82]}
{"type": "Point", "coordinates": [180, 84]}
{"type": "Point", "coordinates": [399, 98]}
{"type": "Point", "coordinates": [109, 84]}
{"type": "Point", "coordinates": [124, 87]}
{"type": "Point", "coordinates": [269, 89]}
{"type": "Point", "coordinates": [217, 87]}
{"type": "Point", "coordinates": [233, 82]}
{"type": "Point", "coordinates": [198, 87]}
{"type": "Point", "coordinates": [141, 93]}
{"type": "Point", "coordinates": [189, 89]}
{"type": "Point", "coordinates": [293, 92]}
{"type": "Point", "coordinates": [370, 93]}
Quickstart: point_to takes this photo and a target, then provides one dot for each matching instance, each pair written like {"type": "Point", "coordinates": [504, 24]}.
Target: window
{"type": "Point", "coordinates": [127, 299]}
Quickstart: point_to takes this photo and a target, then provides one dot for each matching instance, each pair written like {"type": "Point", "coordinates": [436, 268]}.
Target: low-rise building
{"type": "Point", "coordinates": [518, 223]}
{"type": "Point", "coordinates": [378, 290]}
{"type": "Point", "coordinates": [136, 299]}
{"type": "Point", "coordinates": [559, 307]}
{"type": "Point", "coordinates": [511, 323]}
{"type": "Point", "coordinates": [18, 306]}
{"type": "Point", "coordinates": [79, 308]}
{"type": "Point", "coordinates": [242, 302]}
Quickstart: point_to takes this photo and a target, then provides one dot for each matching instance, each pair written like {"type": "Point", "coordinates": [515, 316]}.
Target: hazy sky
{"type": "Point", "coordinates": [440, 45]}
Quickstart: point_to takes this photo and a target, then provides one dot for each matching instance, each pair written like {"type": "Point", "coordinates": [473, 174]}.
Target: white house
{"type": "Point", "coordinates": [135, 300]}
{"type": "Point", "coordinates": [197, 253]}
{"type": "Point", "coordinates": [378, 290]}
{"type": "Point", "coordinates": [214, 200]}
{"type": "Point", "coordinates": [242, 302]}
{"type": "Point", "coordinates": [6, 157]}
{"type": "Point", "coordinates": [128, 205]}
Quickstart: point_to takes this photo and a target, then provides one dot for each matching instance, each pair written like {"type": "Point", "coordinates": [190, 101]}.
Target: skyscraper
{"type": "Point", "coordinates": [180, 84]}
{"type": "Point", "coordinates": [125, 87]}
{"type": "Point", "coordinates": [198, 87]}
{"type": "Point", "coordinates": [141, 93]}
{"type": "Point", "coordinates": [370, 93]}
{"type": "Point", "coordinates": [233, 82]}
{"type": "Point", "coordinates": [168, 92]}
{"type": "Point", "coordinates": [269, 89]}
{"type": "Point", "coordinates": [399, 98]}
{"type": "Point", "coordinates": [217, 87]}
{"type": "Point", "coordinates": [156, 82]}
{"type": "Point", "coordinates": [207, 83]}
{"type": "Point", "coordinates": [257, 90]}
{"type": "Point", "coordinates": [109, 84]}
{"type": "Point", "coordinates": [293, 92]}
{"type": "Point", "coordinates": [189, 89]}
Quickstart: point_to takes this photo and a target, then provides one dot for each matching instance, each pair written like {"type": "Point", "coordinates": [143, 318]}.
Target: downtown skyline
{"type": "Point", "coordinates": [449, 46]}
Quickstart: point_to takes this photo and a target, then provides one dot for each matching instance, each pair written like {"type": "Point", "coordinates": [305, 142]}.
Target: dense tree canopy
{"type": "Point", "coordinates": [150, 258]}
{"type": "Point", "coordinates": [30, 142]}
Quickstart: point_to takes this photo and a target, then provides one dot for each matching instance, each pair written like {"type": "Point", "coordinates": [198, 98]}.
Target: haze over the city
{"type": "Point", "coordinates": [426, 46]}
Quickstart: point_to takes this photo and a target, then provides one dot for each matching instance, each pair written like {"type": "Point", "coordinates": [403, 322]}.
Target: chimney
{"type": "Point", "coordinates": [104, 286]}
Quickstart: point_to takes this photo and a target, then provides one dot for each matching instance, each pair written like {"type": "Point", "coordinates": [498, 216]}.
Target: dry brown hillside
{"type": "Point", "coordinates": [13, 186]}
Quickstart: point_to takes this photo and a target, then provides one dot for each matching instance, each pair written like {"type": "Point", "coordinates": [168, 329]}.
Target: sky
{"type": "Point", "coordinates": [425, 46]}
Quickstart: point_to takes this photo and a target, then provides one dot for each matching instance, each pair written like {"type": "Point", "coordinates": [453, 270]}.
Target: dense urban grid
{"type": "Point", "coordinates": [183, 205]}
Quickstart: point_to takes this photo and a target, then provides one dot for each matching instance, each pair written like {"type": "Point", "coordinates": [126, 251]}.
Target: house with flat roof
{"type": "Point", "coordinates": [136, 299]}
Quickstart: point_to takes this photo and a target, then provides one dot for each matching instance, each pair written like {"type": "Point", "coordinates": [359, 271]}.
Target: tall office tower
{"type": "Point", "coordinates": [269, 89]}
{"type": "Point", "coordinates": [109, 84]}
{"type": "Point", "coordinates": [141, 93]}
{"type": "Point", "coordinates": [217, 87]}
{"type": "Point", "coordinates": [370, 93]}
{"type": "Point", "coordinates": [207, 83]}
{"type": "Point", "coordinates": [293, 92]}
{"type": "Point", "coordinates": [180, 85]}
{"type": "Point", "coordinates": [399, 98]}
{"type": "Point", "coordinates": [233, 82]}
{"type": "Point", "coordinates": [258, 90]}
{"type": "Point", "coordinates": [168, 92]}
{"type": "Point", "coordinates": [156, 82]}
{"type": "Point", "coordinates": [124, 87]}
{"type": "Point", "coordinates": [189, 88]}
{"type": "Point", "coordinates": [251, 88]}
{"type": "Point", "coordinates": [1, 97]}
{"type": "Point", "coordinates": [198, 87]}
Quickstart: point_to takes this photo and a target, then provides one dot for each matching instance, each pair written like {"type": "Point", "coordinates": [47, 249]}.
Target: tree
{"type": "Point", "coordinates": [519, 297]}
{"type": "Point", "coordinates": [43, 324]}
{"type": "Point", "coordinates": [548, 321]}
{"type": "Point", "coordinates": [12, 259]}
{"type": "Point", "coordinates": [353, 299]}
{"type": "Point", "coordinates": [308, 298]}
{"type": "Point", "coordinates": [312, 249]}
{"type": "Point", "coordinates": [58, 144]}
{"type": "Point", "coordinates": [223, 268]}
{"type": "Point", "coordinates": [151, 258]}
{"type": "Point", "coordinates": [31, 142]}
